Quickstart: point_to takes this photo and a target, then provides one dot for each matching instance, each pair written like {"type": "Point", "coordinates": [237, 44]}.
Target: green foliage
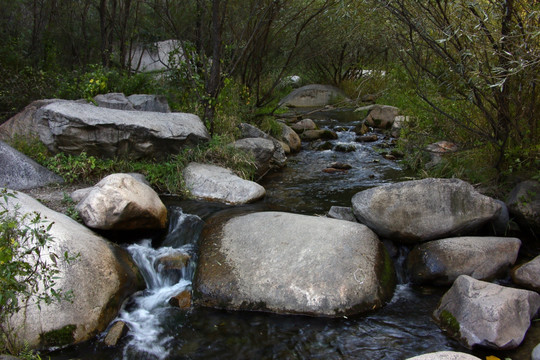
{"type": "Point", "coordinates": [28, 267]}
{"type": "Point", "coordinates": [71, 211]}
{"type": "Point", "coordinates": [186, 81]}
{"type": "Point", "coordinates": [99, 80]}
{"type": "Point", "coordinates": [21, 87]}
{"type": "Point", "coordinates": [76, 168]}
{"type": "Point", "coordinates": [165, 176]}
{"type": "Point", "coordinates": [270, 126]}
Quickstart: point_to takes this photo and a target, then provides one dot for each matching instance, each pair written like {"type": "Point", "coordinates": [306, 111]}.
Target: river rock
{"type": "Point", "coordinates": [101, 278]}
{"type": "Point", "coordinates": [500, 225]}
{"type": "Point", "coordinates": [73, 128]}
{"type": "Point", "coordinates": [528, 274]}
{"type": "Point", "coordinates": [116, 101]}
{"type": "Point", "coordinates": [182, 300]}
{"type": "Point", "coordinates": [292, 264]}
{"type": "Point", "coordinates": [445, 355]}
{"type": "Point", "coordinates": [381, 116]}
{"type": "Point", "coordinates": [323, 134]}
{"type": "Point", "coordinates": [439, 149]}
{"type": "Point", "coordinates": [440, 262]}
{"type": "Point", "coordinates": [341, 213]}
{"type": "Point", "coordinates": [536, 353]}
{"type": "Point", "coordinates": [346, 148]}
{"type": "Point", "coordinates": [479, 313]}
{"type": "Point", "coordinates": [249, 131]}
{"type": "Point", "coordinates": [145, 102]}
{"type": "Point", "coordinates": [303, 125]}
{"type": "Point", "coordinates": [121, 202]}
{"type": "Point", "coordinates": [524, 204]}
{"type": "Point", "coordinates": [421, 210]}
{"type": "Point", "coordinates": [116, 332]}
{"type": "Point", "coordinates": [172, 261]}
{"type": "Point", "coordinates": [291, 138]}
{"type": "Point", "coordinates": [400, 122]}
{"type": "Point", "coordinates": [314, 95]}
{"type": "Point", "coordinates": [263, 151]}
{"type": "Point", "coordinates": [19, 172]}
{"type": "Point", "coordinates": [361, 129]}
{"type": "Point", "coordinates": [367, 138]}
{"type": "Point", "coordinates": [214, 183]}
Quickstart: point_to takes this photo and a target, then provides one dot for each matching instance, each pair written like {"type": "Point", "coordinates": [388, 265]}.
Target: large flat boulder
{"type": "Point", "coordinates": [121, 202]}
{"type": "Point", "coordinates": [71, 127]}
{"type": "Point", "coordinates": [421, 210]}
{"type": "Point", "coordinates": [292, 264]}
{"type": "Point", "coordinates": [24, 124]}
{"type": "Point", "coordinates": [440, 262]}
{"type": "Point", "coordinates": [478, 313]}
{"type": "Point", "coordinates": [101, 278]}
{"type": "Point", "coordinates": [19, 172]}
{"type": "Point", "coordinates": [314, 95]}
{"type": "Point", "coordinates": [214, 183]}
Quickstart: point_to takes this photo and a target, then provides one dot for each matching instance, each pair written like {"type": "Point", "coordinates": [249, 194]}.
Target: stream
{"type": "Point", "coordinates": [401, 329]}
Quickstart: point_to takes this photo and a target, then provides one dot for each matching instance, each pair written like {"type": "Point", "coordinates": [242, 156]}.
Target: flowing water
{"type": "Point", "coordinates": [402, 329]}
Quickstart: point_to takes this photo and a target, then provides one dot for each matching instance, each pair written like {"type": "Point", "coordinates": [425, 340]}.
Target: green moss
{"type": "Point", "coordinates": [59, 337]}
{"type": "Point", "coordinates": [449, 322]}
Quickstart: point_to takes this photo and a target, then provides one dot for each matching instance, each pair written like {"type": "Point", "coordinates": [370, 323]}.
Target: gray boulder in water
{"type": "Point", "coordinates": [440, 262]}
{"type": "Point", "coordinates": [478, 313]}
{"type": "Point", "coordinates": [19, 172]}
{"type": "Point", "coordinates": [121, 202]}
{"type": "Point", "coordinates": [421, 210]}
{"type": "Point", "coordinates": [292, 264]}
{"type": "Point", "coordinates": [71, 127]}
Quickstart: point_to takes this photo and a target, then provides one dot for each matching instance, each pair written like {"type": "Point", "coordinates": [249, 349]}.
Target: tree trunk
{"type": "Point", "coordinates": [214, 81]}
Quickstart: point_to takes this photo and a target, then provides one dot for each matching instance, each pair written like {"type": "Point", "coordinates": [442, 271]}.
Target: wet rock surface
{"type": "Point", "coordinates": [289, 263]}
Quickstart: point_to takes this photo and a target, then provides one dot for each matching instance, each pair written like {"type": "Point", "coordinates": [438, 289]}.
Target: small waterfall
{"type": "Point", "coordinates": [167, 271]}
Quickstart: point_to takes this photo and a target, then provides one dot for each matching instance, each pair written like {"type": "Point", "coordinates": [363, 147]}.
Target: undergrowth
{"type": "Point", "coordinates": [164, 176]}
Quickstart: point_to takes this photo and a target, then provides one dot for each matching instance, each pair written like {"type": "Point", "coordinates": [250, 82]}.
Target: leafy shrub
{"type": "Point", "coordinates": [25, 273]}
